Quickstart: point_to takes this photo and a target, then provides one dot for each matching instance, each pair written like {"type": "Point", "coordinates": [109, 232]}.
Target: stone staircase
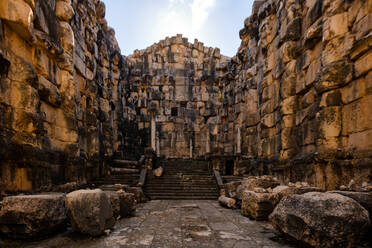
{"type": "Point", "coordinates": [229, 179]}
{"type": "Point", "coordinates": [182, 180]}
{"type": "Point", "coordinates": [121, 172]}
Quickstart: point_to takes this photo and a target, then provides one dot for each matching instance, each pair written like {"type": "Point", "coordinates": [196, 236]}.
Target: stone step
{"type": "Point", "coordinates": [183, 198]}
{"type": "Point", "coordinates": [182, 194]}
{"type": "Point", "coordinates": [124, 171]}
{"type": "Point", "coordinates": [181, 191]}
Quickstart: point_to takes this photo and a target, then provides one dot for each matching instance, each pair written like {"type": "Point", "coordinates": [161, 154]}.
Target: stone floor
{"type": "Point", "coordinates": [174, 224]}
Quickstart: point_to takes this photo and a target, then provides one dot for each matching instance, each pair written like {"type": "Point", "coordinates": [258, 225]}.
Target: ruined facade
{"type": "Point", "coordinates": [293, 102]}
{"type": "Point", "coordinates": [175, 90]}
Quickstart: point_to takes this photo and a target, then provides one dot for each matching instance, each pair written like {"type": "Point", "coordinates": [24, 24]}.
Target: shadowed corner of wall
{"type": "Point", "coordinates": [4, 66]}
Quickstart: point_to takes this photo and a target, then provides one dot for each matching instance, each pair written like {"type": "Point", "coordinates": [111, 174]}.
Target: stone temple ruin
{"type": "Point", "coordinates": [281, 131]}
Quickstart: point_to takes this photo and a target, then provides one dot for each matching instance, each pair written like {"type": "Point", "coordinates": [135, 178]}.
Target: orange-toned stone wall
{"type": "Point", "coordinates": [61, 93]}
{"type": "Point", "coordinates": [299, 105]}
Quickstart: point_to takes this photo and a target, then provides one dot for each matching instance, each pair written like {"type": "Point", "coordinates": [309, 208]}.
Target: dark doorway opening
{"type": "Point", "coordinates": [229, 168]}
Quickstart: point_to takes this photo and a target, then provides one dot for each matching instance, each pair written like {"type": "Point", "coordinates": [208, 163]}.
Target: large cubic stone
{"type": "Point", "coordinates": [19, 15]}
{"type": "Point", "coordinates": [123, 204]}
{"type": "Point", "coordinates": [256, 182]}
{"type": "Point", "coordinates": [258, 205]}
{"type": "Point", "coordinates": [138, 194]}
{"type": "Point", "coordinates": [89, 211]}
{"type": "Point", "coordinates": [32, 216]}
{"type": "Point", "coordinates": [321, 219]}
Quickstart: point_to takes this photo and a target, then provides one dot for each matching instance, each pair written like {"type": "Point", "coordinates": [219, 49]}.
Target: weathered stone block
{"type": "Point", "coordinates": [19, 15]}
{"type": "Point", "coordinates": [64, 10]}
{"type": "Point", "coordinates": [258, 205]}
{"type": "Point", "coordinates": [330, 122]}
{"type": "Point", "coordinates": [288, 106]}
{"type": "Point", "coordinates": [306, 217]}
{"type": "Point", "coordinates": [335, 26]}
{"type": "Point", "coordinates": [89, 211]}
{"type": "Point", "coordinates": [363, 64]}
{"type": "Point", "coordinates": [32, 216]}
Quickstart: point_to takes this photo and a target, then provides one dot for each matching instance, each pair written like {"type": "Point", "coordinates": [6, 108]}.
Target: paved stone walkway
{"type": "Point", "coordinates": [176, 224]}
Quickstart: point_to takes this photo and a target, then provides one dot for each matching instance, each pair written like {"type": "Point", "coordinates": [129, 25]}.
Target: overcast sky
{"type": "Point", "coordinates": [140, 23]}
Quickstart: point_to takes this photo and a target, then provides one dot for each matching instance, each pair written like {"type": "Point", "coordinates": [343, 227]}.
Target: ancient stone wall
{"type": "Point", "coordinates": [175, 89]}
{"type": "Point", "coordinates": [299, 103]}
{"type": "Point", "coordinates": [61, 93]}
{"type": "Point", "coordinates": [294, 101]}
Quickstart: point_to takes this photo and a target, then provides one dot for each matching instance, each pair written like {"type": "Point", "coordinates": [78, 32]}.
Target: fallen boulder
{"type": "Point", "coordinates": [258, 205]}
{"type": "Point", "coordinates": [294, 190]}
{"type": "Point", "coordinates": [123, 204]}
{"type": "Point", "coordinates": [32, 216]}
{"type": "Point", "coordinates": [138, 194]}
{"type": "Point", "coordinates": [321, 219]}
{"type": "Point", "coordinates": [231, 187]}
{"type": "Point", "coordinates": [89, 211]}
{"type": "Point", "coordinates": [158, 172]}
{"type": "Point", "coordinates": [127, 204]}
{"type": "Point", "coordinates": [227, 202]}
{"type": "Point", "coordinates": [363, 198]}
{"type": "Point", "coordinates": [251, 183]}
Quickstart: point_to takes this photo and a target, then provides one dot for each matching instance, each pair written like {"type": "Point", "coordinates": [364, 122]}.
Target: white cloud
{"type": "Point", "coordinates": [200, 11]}
{"type": "Point", "coordinates": [177, 1]}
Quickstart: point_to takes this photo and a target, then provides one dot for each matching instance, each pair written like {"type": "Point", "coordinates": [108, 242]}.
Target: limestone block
{"type": "Point", "coordinates": [312, 74]}
{"type": "Point", "coordinates": [288, 51]}
{"type": "Point", "coordinates": [64, 10]}
{"type": "Point", "coordinates": [334, 75]}
{"type": "Point", "coordinates": [138, 194]}
{"type": "Point", "coordinates": [363, 64]}
{"type": "Point", "coordinates": [291, 31]}
{"type": "Point", "coordinates": [32, 216]}
{"type": "Point", "coordinates": [227, 202]}
{"type": "Point", "coordinates": [268, 120]}
{"type": "Point", "coordinates": [313, 35]}
{"type": "Point", "coordinates": [330, 122]}
{"type": "Point", "coordinates": [288, 105]}
{"type": "Point", "coordinates": [334, 26]}
{"type": "Point", "coordinates": [123, 204]}
{"type": "Point", "coordinates": [361, 140]}
{"type": "Point", "coordinates": [287, 138]}
{"type": "Point", "coordinates": [353, 91]}
{"type": "Point", "coordinates": [337, 48]}
{"type": "Point", "coordinates": [89, 211]}
{"type": "Point", "coordinates": [18, 15]}
{"type": "Point", "coordinates": [344, 219]}
{"type": "Point", "coordinates": [363, 27]}
{"type": "Point", "coordinates": [288, 121]}
{"type": "Point", "coordinates": [356, 116]}
{"type": "Point", "coordinates": [288, 86]}
{"type": "Point", "coordinates": [258, 205]}
{"type": "Point", "coordinates": [314, 12]}
{"type": "Point", "coordinates": [331, 98]}
{"type": "Point", "coordinates": [49, 93]}
{"type": "Point", "coordinates": [67, 37]}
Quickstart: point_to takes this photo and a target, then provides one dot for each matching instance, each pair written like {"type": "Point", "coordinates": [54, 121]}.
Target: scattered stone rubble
{"type": "Point", "coordinates": [303, 212]}
{"type": "Point", "coordinates": [90, 212]}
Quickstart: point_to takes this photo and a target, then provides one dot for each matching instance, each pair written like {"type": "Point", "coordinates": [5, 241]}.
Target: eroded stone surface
{"type": "Point", "coordinates": [32, 216]}
{"type": "Point", "coordinates": [321, 219]}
